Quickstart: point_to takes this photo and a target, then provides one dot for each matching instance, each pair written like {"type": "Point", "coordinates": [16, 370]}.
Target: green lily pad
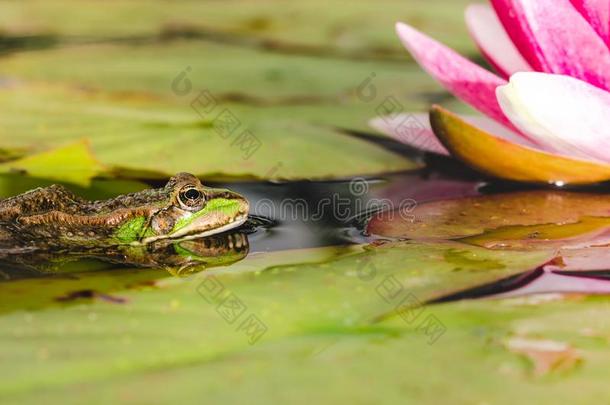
{"type": "Point", "coordinates": [527, 216]}
{"type": "Point", "coordinates": [72, 163]}
{"type": "Point", "coordinates": [476, 359]}
{"type": "Point", "coordinates": [98, 189]}
{"type": "Point", "coordinates": [11, 154]}
{"type": "Point", "coordinates": [318, 27]}
{"type": "Point", "coordinates": [137, 137]}
{"type": "Point", "coordinates": [102, 279]}
{"type": "Point", "coordinates": [186, 321]}
{"type": "Point", "coordinates": [295, 88]}
{"type": "Point", "coordinates": [270, 79]}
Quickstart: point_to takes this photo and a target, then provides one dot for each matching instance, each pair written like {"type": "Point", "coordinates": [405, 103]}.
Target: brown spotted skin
{"type": "Point", "coordinates": [54, 216]}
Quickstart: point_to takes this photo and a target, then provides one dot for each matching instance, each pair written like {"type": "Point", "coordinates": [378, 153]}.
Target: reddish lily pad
{"type": "Point", "coordinates": [585, 232]}
{"type": "Point", "coordinates": [523, 218]}
{"type": "Point", "coordinates": [500, 158]}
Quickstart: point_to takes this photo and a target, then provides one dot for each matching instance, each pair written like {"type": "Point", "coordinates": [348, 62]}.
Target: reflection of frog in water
{"type": "Point", "coordinates": [179, 257]}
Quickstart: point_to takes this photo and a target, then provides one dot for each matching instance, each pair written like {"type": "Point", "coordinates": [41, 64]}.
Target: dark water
{"type": "Point", "coordinates": [308, 214]}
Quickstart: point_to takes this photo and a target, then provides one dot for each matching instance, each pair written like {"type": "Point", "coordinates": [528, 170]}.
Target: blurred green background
{"type": "Point", "coordinates": [123, 75]}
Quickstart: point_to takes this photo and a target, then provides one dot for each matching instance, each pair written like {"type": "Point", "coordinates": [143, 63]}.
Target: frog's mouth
{"type": "Point", "coordinates": [187, 233]}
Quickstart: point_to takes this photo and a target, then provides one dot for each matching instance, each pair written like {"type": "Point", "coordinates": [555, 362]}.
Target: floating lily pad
{"type": "Point", "coordinates": [139, 137]}
{"type": "Point", "coordinates": [183, 321]}
{"type": "Point", "coordinates": [534, 216]}
{"type": "Point", "coordinates": [465, 265]}
{"type": "Point", "coordinates": [98, 189]}
{"type": "Point", "coordinates": [11, 154]}
{"type": "Point", "coordinates": [486, 346]}
{"type": "Point", "coordinates": [170, 70]}
{"type": "Point", "coordinates": [479, 351]}
{"type": "Point", "coordinates": [291, 28]}
{"type": "Point", "coordinates": [330, 91]}
{"type": "Point", "coordinates": [587, 231]}
{"type": "Point", "coordinates": [74, 279]}
{"type": "Point", "coordinates": [499, 158]}
{"type": "Point", "coordinates": [72, 163]}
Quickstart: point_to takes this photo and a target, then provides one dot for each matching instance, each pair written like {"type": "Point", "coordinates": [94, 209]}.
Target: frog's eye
{"type": "Point", "coordinates": [190, 197]}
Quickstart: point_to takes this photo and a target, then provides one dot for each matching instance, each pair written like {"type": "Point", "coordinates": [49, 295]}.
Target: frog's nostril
{"type": "Point", "coordinates": [244, 206]}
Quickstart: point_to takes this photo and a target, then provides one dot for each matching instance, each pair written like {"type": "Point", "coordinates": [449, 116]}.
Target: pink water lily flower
{"type": "Point", "coordinates": [546, 110]}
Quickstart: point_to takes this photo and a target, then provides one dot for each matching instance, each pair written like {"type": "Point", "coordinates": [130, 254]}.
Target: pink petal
{"type": "Point", "coordinates": [550, 282]}
{"type": "Point", "coordinates": [466, 80]}
{"type": "Point", "coordinates": [414, 129]}
{"type": "Point", "coordinates": [555, 38]}
{"type": "Point", "coordinates": [564, 114]}
{"type": "Point", "coordinates": [411, 129]}
{"type": "Point", "coordinates": [494, 42]}
{"type": "Point", "coordinates": [597, 13]}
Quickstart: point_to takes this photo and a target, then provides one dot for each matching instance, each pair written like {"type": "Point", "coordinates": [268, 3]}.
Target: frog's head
{"type": "Point", "coordinates": [193, 211]}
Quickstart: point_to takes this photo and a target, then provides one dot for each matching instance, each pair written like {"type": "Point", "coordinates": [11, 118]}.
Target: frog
{"type": "Point", "coordinates": [184, 208]}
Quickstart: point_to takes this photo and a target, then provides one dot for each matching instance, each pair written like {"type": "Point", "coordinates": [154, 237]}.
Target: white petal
{"type": "Point", "coordinates": [565, 115]}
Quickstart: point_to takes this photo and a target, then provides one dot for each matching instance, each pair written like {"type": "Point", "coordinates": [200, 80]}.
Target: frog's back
{"type": "Point", "coordinates": [39, 201]}
{"type": "Point", "coordinates": [54, 216]}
